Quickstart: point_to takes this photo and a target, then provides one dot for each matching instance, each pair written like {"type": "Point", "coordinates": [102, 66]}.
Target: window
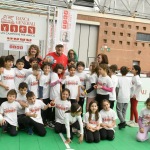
{"type": "Point", "coordinates": [113, 41]}
{"type": "Point", "coordinates": [143, 44]}
{"type": "Point", "coordinates": [105, 40]}
{"type": "Point", "coordinates": [137, 27]}
{"type": "Point", "coordinates": [106, 23]}
{"type": "Point", "coordinates": [113, 33]}
{"type": "Point", "coordinates": [121, 34]}
{"type": "Point", "coordinates": [135, 43]}
{"type": "Point", "coordinates": [129, 26]}
{"type": "Point", "coordinates": [128, 43]}
{"type": "Point", "coordinates": [128, 34]}
{"type": "Point", "coordinates": [120, 42]}
{"type": "Point", "coordinates": [144, 28]}
{"type": "Point", "coordinates": [105, 32]}
{"type": "Point", "coordinates": [143, 37]}
{"type": "Point", "coordinates": [122, 25]}
{"type": "Point", "coordinates": [114, 24]}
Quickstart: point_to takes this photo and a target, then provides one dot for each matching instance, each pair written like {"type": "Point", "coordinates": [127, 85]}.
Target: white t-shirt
{"type": "Point", "coordinates": [145, 114]}
{"type": "Point", "coordinates": [124, 85]}
{"type": "Point", "coordinates": [20, 76]}
{"type": "Point", "coordinates": [112, 95]}
{"type": "Point", "coordinates": [108, 116]}
{"type": "Point", "coordinates": [36, 109]}
{"type": "Point", "coordinates": [61, 107]}
{"type": "Point", "coordinates": [23, 99]}
{"type": "Point", "coordinates": [54, 90]}
{"type": "Point", "coordinates": [70, 120]}
{"type": "Point", "coordinates": [91, 79]}
{"type": "Point", "coordinates": [32, 84]}
{"type": "Point", "coordinates": [7, 78]}
{"type": "Point", "coordinates": [82, 76]}
{"type": "Point", "coordinates": [9, 110]}
{"type": "Point", "coordinates": [136, 87]}
{"type": "Point", "coordinates": [93, 121]}
{"type": "Point", "coordinates": [44, 82]}
{"type": "Point", "coordinates": [104, 81]}
{"type": "Point", "coordinates": [72, 83]}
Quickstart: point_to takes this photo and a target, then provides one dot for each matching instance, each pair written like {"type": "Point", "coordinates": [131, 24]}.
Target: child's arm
{"type": "Point", "coordinates": [3, 121]}
{"type": "Point", "coordinates": [23, 104]}
{"type": "Point", "coordinates": [4, 86]}
{"type": "Point", "coordinates": [34, 115]}
{"type": "Point", "coordinates": [81, 129]}
{"type": "Point", "coordinates": [56, 82]}
{"type": "Point", "coordinates": [140, 125]}
{"type": "Point", "coordinates": [78, 93]}
{"type": "Point", "coordinates": [112, 125]}
{"type": "Point", "coordinates": [67, 125]}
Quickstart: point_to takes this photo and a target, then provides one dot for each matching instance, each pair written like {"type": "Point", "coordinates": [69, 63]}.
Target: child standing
{"type": "Point", "coordinates": [62, 104]}
{"type": "Point", "coordinates": [104, 85]}
{"type": "Point", "coordinates": [73, 119]}
{"type": "Point", "coordinates": [72, 82]}
{"type": "Point", "coordinates": [9, 111]}
{"type": "Point", "coordinates": [90, 82]}
{"type": "Point", "coordinates": [112, 95]}
{"type": "Point", "coordinates": [135, 96]}
{"type": "Point", "coordinates": [7, 79]}
{"type": "Point", "coordinates": [33, 115]}
{"type": "Point", "coordinates": [82, 76]}
{"type": "Point", "coordinates": [109, 117]}
{"type": "Point", "coordinates": [32, 80]}
{"type": "Point", "coordinates": [144, 122]}
{"type": "Point", "coordinates": [124, 86]}
{"type": "Point", "coordinates": [92, 120]}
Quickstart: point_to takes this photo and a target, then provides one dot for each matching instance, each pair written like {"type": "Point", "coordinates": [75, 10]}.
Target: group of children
{"type": "Point", "coordinates": [33, 98]}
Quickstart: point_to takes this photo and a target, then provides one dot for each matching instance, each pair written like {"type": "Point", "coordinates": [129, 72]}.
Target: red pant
{"type": "Point", "coordinates": [133, 110]}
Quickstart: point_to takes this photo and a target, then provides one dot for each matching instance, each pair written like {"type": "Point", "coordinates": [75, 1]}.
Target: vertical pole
{"type": "Point", "coordinates": [53, 31]}
{"type": "Point", "coordinates": [48, 30]}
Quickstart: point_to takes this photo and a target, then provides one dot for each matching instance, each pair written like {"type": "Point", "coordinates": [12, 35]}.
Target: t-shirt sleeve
{"type": "Point", "coordinates": [1, 109]}
{"type": "Point", "coordinates": [41, 104]}
{"type": "Point", "coordinates": [85, 118]}
{"type": "Point", "coordinates": [41, 81]}
{"type": "Point", "coordinates": [93, 78]}
{"type": "Point", "coordinates": [18, 105]}
{"type": "Point", "coordinates": [27, 110]}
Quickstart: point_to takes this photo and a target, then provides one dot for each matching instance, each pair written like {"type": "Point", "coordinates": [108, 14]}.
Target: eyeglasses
{"type": "Point", "coordinates": [71, 53]}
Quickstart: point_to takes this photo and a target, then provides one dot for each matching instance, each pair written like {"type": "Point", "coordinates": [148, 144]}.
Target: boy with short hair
{"type": "Point", "coordinates": [33, 115]}
{"type": "Point", "coordinates": [8, 111]}
{"type": "Point", "coordinates": [7, 78]}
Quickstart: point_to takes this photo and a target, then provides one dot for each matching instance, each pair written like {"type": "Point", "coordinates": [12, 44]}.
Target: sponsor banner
{"type": "Point", "coordinates": [15, 47]}
{"type": "Point", "coordinates": [65, 29]}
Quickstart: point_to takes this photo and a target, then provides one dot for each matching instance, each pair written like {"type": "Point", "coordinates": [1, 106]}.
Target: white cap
{"type": "Point", "coordinates": [60, 44]}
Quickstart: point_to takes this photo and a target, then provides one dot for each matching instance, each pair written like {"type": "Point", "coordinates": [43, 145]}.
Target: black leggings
{"type": "Point", "coordinates": [37, 127]}
{"type": "Point", "coordinates": [81, 103]}
{"type": "Point", "coordinates": [100, 98]}
{"type": "Point", "coordinates": [12, 130]}
{"type": "Point", "coordinates": [60, 128]}
{"type": "Point", "coordinates": [107, 134]}
{"type": "Point", "coordinates": [91, 136]}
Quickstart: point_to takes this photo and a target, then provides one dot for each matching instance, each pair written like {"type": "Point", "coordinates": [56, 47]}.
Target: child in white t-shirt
{"type": "Point", "coordinates": [83, 77]}
{"type": "Point", "coordinates": [108, 124]}
{"type": "Point", "coordinates": [21, 98]}
{"type": "Point", "coordinates": [144, 122]}
{"type": "Point", "coordinates": [20, 73]}
{"type": "Point", "coordinates": [44, 90]}
{"type": "Point", "coordinates": [7, 78]}
{"type": "Point", "coordinates": [32, 80]}
{"type": "Point", "coordinates": [62, 104]}
{"type": "Point", "coordinates": [123, 98]}
{"type": "Point", "coordinates": [33, 117]}
{"type": "Point", "coordinates": [92, 120]}
{"type": "Point", "coordinates": [8, 110]}
{"type": "Point", "coordinates": [73, 119]}
{"type": "Point", "coordinates": [104, 85]}
{"type": "Point", "coordinates": [72, 82]}
{"type": "Point", "coordinates": [112, 95]}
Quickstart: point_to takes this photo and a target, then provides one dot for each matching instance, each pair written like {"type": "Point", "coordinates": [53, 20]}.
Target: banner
{"type": "Point", "coordinates": [19, 28]}
{"type": "Point", "coordinates": [65, 29]}
{"type": "Point", "coordinates": [15, 47]}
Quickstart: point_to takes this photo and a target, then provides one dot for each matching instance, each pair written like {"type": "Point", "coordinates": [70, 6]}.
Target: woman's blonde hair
{"type": "Point", "coordinates": [36, 48]}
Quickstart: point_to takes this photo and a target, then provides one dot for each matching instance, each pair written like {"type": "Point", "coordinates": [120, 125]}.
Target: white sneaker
{"type": "Point", "coordinates": [135, 125]}
{"type": "Point", "coordinates": [130, 122]}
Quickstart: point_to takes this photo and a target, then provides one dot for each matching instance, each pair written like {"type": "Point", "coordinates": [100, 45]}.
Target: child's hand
{"type": "Point", "coordinates": [77, 98]}
{"type": "Point", "coordinates": [83, 93]}
{"type": "Point", "coordinates": [68, 141]}
{"type": "Point", "coordinates": [6, 88]}
{"type": "Point", "coordinates": [1, 70]}
{"type": "Point", "coordinates": [134, 97]}
{"type": "Point", "coordinates": [83, 87]}
{"type": "Point", "coordinates": [2, 122]}
{"type": "Point", "coordinates": [109, 125]}
{"type": "Point", "coordinates": [142, 130]}
{"type": "Point", "coordinates": [34, 115]}
{"type": "Point", "coordinates": [95, 86]}
{"type": "Point", "coordinates": [52, 103]}
{"type": "Point", "coordinates": [99, 86]}
{"type": "Point", "coordinates": [80, 138]}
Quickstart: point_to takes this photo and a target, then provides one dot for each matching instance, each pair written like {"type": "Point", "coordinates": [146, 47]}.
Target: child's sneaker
{"type": "Point", "coordinates": [51, 125]}
{"type": "Point", "coordinates": [134, 124]}
{"type": "Point", "coordinates": [30, 131]}
{"type": "Point", "coordinates": [129, 122]}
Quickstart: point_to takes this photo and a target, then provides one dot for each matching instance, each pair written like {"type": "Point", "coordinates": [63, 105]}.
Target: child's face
{"type": "Point", "coordinates": [94, 107]}
{"type": "Point", "coordinates": [8, 64]}
{"type": "Point", "coordinates": [60, 71]}
{"type": "Point", "coordinates": [65, 95]}
{"type": "Point", "coordinates": [134, 71]}
{"type": "Point", "coordinates": [80, 68]}
{"type": "Point", "coordinates": [36, 72]}
{"type": "Point", "coordinates": [31, 100]}
{"type": "Point", "coordinates": [33, 63]}
{"type": "Point", "coordinates": [20, 65]}
{"type": "Point", "coordinates": [11, 98]}
{"type": "Point", "coordinates": [106, 106]}
{"type": "Point", "coordinates": [23, 91]}
{"type": "Point", "coordinates": [102, 71]}
{"type": "Point", "coordinates": [148, 106]}
{"type": "Point", "coordinates": [72, 71]}
{"type": "Point", "coordinates": [99, 59]}
{"type": "Point", "coordinates": [46, 69]}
